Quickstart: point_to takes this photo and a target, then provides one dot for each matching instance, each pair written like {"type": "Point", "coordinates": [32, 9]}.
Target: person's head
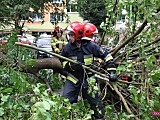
{"type": "Point", "coordinates": [75, 31]}
{"type": "Point", "coordinates": [90, 30]}
{"type": "Point", "coordinates": [58, 31]}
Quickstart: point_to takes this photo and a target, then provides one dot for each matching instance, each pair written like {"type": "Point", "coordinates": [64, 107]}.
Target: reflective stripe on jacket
{"type": "Point", "coordinates": [58, 43]}
{"type": "Point", "coordinates": [85, 54]}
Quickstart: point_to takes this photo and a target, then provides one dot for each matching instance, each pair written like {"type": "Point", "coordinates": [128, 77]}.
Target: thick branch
{"type": "Point", "coordinates": [146, 45]}
{"type": "Point", "coordinates": [46, 63]}
{"type": "Point", "coordinates": [135, 49]}
{"type": "Point", "coordinates": [67, 59]}
{"type": "Point", "coordinates": [44, 80]}
{"type": "Point", "coordinates": [61, 57]}
{"type": "Point", "coordinates": [124, 101]}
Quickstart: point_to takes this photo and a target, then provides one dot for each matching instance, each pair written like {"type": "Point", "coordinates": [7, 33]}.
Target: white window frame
{"type": "Point", "coordinates": [60, 20]}
{"type": "Point", "coordinates": [70, 8]}
{"type": "Point", "coordinates": [37, 19]}
{"type": "Point", "coordinates": [57, 1]}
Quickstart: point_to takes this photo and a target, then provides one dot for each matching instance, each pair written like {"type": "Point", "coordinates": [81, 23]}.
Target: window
{"type": "Point", "coordinates": [57, 1]}
{"type": "Point", "coordinates": [123, 18]}
{"type": "Point", "coordinates": [72, 8]}
{"type": "Point", "coordinates": [56, 17]}
{"type": "Point", "coordinates": [37, 17]}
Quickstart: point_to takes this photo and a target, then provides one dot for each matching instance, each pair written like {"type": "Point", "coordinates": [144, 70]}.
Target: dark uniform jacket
{"type": "Point", "coordinates": [85, 54]}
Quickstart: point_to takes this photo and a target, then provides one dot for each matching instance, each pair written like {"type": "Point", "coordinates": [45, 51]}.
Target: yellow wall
{"type": "Point", "coordinates": [49, 26]}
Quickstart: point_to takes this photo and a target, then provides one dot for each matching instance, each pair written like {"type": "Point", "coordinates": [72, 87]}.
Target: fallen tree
{"type": "Point", "coordinates": [58, 68]}
{"type": "Point", "coordinates": [55, 64]}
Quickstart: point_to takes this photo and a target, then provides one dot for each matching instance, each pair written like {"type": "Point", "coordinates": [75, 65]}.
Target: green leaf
{"type": "Point", "coordinates": [8, 90]}
{"type": "Point", "coordinates": [19, 115]}
{"type": "Point", "coordinates": [48, 115]}
{"type": "Point", "coordinates": [135, 99]}
{"type": "Point", "coordinates": [1, 111]}
{"type": "Point", "coordinates": [134, 91]}
{"type": "Point", "coordinates": [121, 68]}
{"type": "Point", "coordinates": [31, 62]}
{"type": "Point", "coordinates": [36, 90]}
{"type": "Point", "coordinates": [151, 58]}
{"type": "Point", "coordinates": [46, 105]}
{"type": "Point", "coordinates": [130, 116]}
{"type": "Point", "coordinates": [156, 76]}
{"type": "Point", "coordinates": [69, 108]}
{"type": "Point", "coordinates": [95, 88]}
{"type": "Point", "coordinates": [157, 91]}
{"type": "Point", "coordinates": [5, 98]}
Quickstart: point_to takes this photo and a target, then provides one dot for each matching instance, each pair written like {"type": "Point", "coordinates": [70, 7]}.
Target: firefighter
{"type": "Point", "coordinates": [83, 51]}
{"type": "Point", "coordinates": [91, 32]}
{"type": "Point", "coordinates": [58, 42]}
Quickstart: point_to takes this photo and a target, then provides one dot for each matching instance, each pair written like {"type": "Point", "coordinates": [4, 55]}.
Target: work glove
{"type": "Point", "coordinates": [65, 73]}
{"type": "Point", "coordinates": [56, 50]}
{"type": "Point", "coordinates": [112, 76]}
{"type": "Point", "coordinates": [111, 68]}
{"type": "Point", "coordinates": [76, 66]}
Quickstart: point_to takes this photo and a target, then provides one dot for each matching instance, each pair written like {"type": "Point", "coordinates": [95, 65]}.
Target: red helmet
{"type": "Point", "coordinates": [90, 29]}
{"type": "Point", "coordinates": [57, 29]}
{"type": "Point", "coordinates": [77, 28]}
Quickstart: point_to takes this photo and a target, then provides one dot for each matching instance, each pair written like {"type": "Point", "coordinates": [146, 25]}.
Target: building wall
{"type": "Point", "coordinates": [47, 25]}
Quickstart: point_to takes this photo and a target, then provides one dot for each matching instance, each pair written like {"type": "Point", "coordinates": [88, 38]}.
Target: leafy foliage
{"type": "Point", "coordinates": [24, 96]}
{"type": "Point", "coordinates": [93, 10]}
